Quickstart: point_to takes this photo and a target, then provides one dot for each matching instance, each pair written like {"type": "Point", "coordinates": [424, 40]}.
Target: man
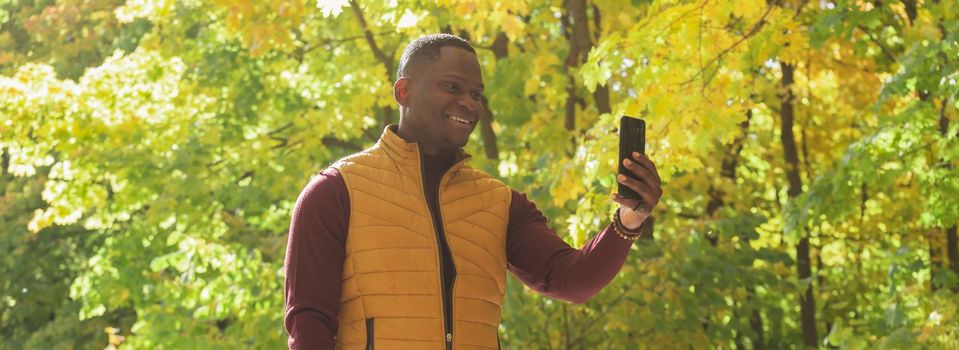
{"type": "Point", "coordinates": [404, 246]}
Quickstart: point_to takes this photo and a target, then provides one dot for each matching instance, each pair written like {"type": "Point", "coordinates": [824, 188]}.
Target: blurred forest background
{"type": "Point", "coordinates": [152, 151]}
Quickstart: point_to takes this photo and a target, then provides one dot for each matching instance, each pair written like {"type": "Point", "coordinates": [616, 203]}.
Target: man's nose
{"type": "Point", "coordinates": [471, 105]}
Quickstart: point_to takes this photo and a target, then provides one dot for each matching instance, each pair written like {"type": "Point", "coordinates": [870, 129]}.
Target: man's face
{"type": "Point", "coordinates": [443, 101]}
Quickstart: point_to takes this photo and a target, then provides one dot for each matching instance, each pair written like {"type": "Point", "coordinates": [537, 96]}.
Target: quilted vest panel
{"type": "Point", "coordinates": [391, 296]}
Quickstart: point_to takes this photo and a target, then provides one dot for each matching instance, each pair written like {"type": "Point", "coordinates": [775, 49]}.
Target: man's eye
{"type": "Point", "coordinates": [478, 96]}
{"type": "Point", "coordinates": [449, 86]}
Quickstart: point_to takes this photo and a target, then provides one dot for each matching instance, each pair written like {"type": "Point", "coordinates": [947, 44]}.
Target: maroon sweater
{"type": "Point", "coordinates": [535, 254]}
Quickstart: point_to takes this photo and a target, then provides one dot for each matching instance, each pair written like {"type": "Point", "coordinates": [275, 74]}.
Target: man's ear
{"type": "Point", "coordinates": [401, 91]}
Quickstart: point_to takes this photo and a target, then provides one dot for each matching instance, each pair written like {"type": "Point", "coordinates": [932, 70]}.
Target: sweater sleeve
{"type": "Point", "coordinates": [545, 263]}
{"type": "Point", "coordinates": [314, 262]}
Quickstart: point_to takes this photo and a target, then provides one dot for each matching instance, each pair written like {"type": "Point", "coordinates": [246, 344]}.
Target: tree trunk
{"type": "Point", "coordinates": [952, 249]}
{"type": "Point", "coordinates": [911, 10]}
{"type": "Point", "coordinates": [500, 50]}
{"type": "Point", "coordinates": [573, 23]}
{"type": "Point", "coordinates": [576, 28]}
{"type": "Point", "coordinates": [717, 200]}
{"type": "Point", "coordinates": [803, 266]}
{"type": "Point", "coordinates": [728, 171]}
{"type": "Point", "coordinates": [756, 323]}
{"type": "Point", "coordinates": [807, 301]}
{"type": "Point", "coordinates": [4, 160]}
{"type": "Point", "coordinates": [487, 132]}
{"type": "Point", "coordinates": [935, 262]}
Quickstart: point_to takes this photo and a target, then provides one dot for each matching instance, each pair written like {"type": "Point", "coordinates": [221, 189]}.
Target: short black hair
{"type": "Point", "coordinates": [425, 49]}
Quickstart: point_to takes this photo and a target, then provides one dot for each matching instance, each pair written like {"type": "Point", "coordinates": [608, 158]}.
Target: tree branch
{"type": "Point", "coordinates": [386, 118]}
{"type": "Point", "coordinates": [331, 41]}
{"type": "Point", "coordinates": [585, 329]}
{"type": "Point", "coordinates": [911, 10]}
{"type": "Point", "coordinates": [368, 34]}
{"type": "Point", "coordinates": [755, 29]}
{"type": "Point", "coordinates": [335, 142]}
{"type": "Point", "coordinates": [882, 47]}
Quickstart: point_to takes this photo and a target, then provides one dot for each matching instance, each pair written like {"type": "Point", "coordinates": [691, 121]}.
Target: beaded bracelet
{"type": "Point", "coordinates": [622, 231]}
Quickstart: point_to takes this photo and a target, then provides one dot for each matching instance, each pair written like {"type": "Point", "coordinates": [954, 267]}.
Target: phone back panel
{"type": "Point", "coordinates": [632, 138]}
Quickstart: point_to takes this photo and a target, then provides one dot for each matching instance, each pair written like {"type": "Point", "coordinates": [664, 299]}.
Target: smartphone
{"type": "Point", "coordinates": [632, 138]}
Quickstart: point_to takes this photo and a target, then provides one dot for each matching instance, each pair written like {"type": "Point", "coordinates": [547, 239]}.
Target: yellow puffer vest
{"type": "Point", "coordinates": [392, 282]}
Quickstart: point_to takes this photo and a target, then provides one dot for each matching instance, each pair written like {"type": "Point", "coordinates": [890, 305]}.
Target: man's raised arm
{"type": "Point", "coordinates": [544, 262]}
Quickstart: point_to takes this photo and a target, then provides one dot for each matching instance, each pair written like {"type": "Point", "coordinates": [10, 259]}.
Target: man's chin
{"type": "Point", "coordinates": [455, 142]}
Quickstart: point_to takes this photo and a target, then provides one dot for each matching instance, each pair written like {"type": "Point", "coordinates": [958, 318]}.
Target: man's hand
{"type": "Point", "coordinates": [633, 212]}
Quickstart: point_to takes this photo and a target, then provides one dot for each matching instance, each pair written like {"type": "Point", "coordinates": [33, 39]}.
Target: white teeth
{"type": "Point", "coordinates": [458, 119]}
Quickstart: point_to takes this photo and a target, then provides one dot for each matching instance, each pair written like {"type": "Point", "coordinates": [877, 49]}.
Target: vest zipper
{"type": "Point", "coordinates": [444, 253]}
{"type": "Point", "coordinates": [369, 333]}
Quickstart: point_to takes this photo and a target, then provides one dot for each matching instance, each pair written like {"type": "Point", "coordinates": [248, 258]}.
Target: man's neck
{"type": "Point", "coordinates": [424, 148]}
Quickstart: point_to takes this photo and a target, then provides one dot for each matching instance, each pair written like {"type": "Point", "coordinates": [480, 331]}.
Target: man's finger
{"type": "Point", "coordinates": [640, 171]}
{"type": "Point", "coordinates": [638, 185]}
{"type": "Point", "coordinates": [649, 201]}
{"type": "Point", "coordinates": [648, 193]}
{"type": "Point", "coordinates": [648, 164]}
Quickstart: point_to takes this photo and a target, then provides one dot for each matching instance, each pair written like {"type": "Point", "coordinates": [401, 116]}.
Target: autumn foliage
{"type": "Point", "coordinates": [152, 151]}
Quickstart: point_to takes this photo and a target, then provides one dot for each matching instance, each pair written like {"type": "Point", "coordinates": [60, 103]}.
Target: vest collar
{"type": "Point", "coordinates": [405, 152]}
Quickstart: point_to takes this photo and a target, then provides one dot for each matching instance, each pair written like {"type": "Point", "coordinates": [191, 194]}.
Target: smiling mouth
{"type": "Point", "coordinates": [459, 119]}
